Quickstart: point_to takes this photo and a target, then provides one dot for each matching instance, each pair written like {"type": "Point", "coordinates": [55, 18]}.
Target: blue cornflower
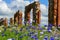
{"type": "Point", "coordinates": [30, 24]}
{"type": "Point", "coordinates": [32, 37]}
{"type": "Point", "coordinates": [50, 25]}
{"type": "Point", "coordinates": [38, 25]}
{"type": "Point", "coordinates": [25, 22]}
{"type": "Point", "coordinates": [31, 32]}
{"type": "Point", "coordinates": [52, 38]}
{"type": "Point", "coordinates": [3, 34]}
{"type": "Point", "coordinates": [40, 28]}
{"type": "Point", "coordinates": [21, 29]}
{"type": "Point", "coordinates": [46, 37]}
{"type": "Point", "coordinates": [21, 36]}
{"type": "Point", "coordinates": [45, 25]}
{"type": "Point", "coordinates": [36, 38]}
{"type": "Point", "coordinates": [33, 27]}
{"type": "Point", "coordinates": [13, 39]}
{"type": "Point", "coordinates": [49, 30]}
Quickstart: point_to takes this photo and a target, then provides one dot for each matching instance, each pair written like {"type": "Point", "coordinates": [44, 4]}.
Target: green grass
{"type": "Point", "coordinates": [10, 34]}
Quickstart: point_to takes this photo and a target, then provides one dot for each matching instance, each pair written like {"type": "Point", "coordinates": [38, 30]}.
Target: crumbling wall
{"type": "Point", "coordinates": [36, 12]}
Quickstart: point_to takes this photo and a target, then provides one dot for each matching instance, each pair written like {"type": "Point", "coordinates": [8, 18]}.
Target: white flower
{"type": "Point", "coordinates": [13, 27]}
{"type": "Point", "coordinates": [46, 27]}
{"type": "Point", "coordinates": [41, 32]}
{"type": "Point", "coordinates": [0, 30]}
{"type": "Point", "coordinates": [2, 26]}
{"type": "Point", "coordinates": [41, 36]}
{"type": "Point", "coordinates": [9, 39]}
{"type": "Point", "coordinates": [56, 37]}
{"type": "Point", "coordinates": [50, 30]}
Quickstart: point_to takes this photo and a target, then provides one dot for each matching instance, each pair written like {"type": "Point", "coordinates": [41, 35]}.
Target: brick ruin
{"type": "Point", "coordinates": [5, 22]}
{"type": "Point", "coordinates": [36, 12]}
{"type": "Point", "coordinates": [18, 17]}
{"type": "Point", "coordinates": [54, 12]}
{"type": "Point", "coordinates": [11, 21]}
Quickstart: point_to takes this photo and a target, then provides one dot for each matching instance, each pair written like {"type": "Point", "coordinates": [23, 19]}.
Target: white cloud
{"type": "Point", "coordinates": [11, 8]}
{"type": "Point", "coordinates": [44, 9]}
{"type": "Point", "coordinates": [44, 14]}
{"type": "Point", "coordinates": [4, 8]}
{"type": "Point", "coordinates": [0, 0]}
{"type": "Point", "coordinates": [36, 0]}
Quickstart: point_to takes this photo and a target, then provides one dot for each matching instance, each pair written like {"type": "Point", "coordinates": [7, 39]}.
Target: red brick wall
{"type": "Point", "coordinates": [58, 12]}
{"type": "Point", "coordinates": [55, 11]}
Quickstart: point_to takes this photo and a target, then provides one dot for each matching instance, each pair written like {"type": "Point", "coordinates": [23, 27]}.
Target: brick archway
{"type": "Point", "coordinates": [36, 12]}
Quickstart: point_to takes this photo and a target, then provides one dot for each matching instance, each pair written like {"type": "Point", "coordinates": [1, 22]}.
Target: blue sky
{"type": "Point", "coordinates": [9, 7]}
{"type": "Point", "coordinates": [41, 1]}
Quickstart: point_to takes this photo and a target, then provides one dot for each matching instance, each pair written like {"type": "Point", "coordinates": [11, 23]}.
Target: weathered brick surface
{"type": "Point", "coordinates": [55, 12]}
{"type": "Point", "coordinates": [11, 21]}
{"type": "Point", "coordinates": [18, 17]}
{"type": "Point", "coordinates": [36, 12]}
{"type": "Point", "coordinates": [58, 12]}
{"type": "Point", "coordinates": [5, 22]}
{"type": "Point", "coordinates": [54, 9]}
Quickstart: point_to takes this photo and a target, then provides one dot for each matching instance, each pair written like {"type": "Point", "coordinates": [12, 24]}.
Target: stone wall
{"type": "Point", "coordinates": [58, 12]}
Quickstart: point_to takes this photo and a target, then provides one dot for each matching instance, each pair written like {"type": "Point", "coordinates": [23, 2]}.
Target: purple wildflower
{"type": "Point", "coordinates": [21, 29]}
{"type": "Point", "coordinates": [33, 27]}
{"type": "Point", "coordinates": [46, 37]}
{"type": "Point", "coordinates": [45, 25]}
{"type": "Point", "coordinates": [25, 22]}
{"type": "Point", "coordinates": [31, 32]}
{"type": "Point", "coordinates": [40, 28]}
{"type": "Point", "coordinates": [38, 25]}
{"type": "Point", "coordinates": [36, 38]}
{"type": "Point", "coordinates": [52, 38]}
{"type": "Point", "coordinates": [3, 34]}
{"type": "Point", "coordinates": [50, 25]}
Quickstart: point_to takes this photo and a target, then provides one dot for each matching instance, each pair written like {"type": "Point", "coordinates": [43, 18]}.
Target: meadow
{"type": "Point", "coordinates": [29, 32]}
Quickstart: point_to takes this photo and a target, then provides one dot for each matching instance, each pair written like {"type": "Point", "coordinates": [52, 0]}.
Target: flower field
{"type": "Point", "coordinates": [29, 33]}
